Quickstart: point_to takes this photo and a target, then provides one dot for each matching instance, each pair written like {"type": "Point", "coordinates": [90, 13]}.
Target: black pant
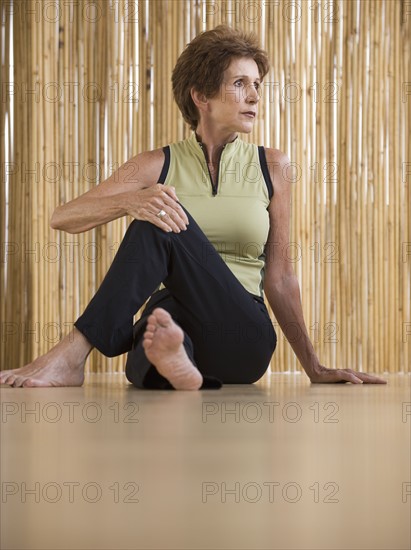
{"type": "Point", "coordinates": [229, 335]}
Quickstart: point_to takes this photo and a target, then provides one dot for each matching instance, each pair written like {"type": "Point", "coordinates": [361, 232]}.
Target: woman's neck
{"type": "Point", "coordinates": [213, 142]}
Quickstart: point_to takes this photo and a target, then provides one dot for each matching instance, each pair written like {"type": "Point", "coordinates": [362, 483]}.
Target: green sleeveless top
{"type": "Point", "coordinates": [233, 214]}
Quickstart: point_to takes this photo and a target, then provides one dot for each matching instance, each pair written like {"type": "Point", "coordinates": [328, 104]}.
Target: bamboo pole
{"type": "Point", "coordinates": [308, 160]}
{"type": "Point", "coordinates": [381, 190]}
{"type": "Point", "coordinates": [355, 305]}
{"type": "Point", "coordinates": [372, 198]}
{"type": "Point", "coordinates": [362, 193]}
{"type": "Point", "coordinates": [321, 157]}
{"type": "Point", "coordinates": [66, 99]}
{"type": "Point", "coordinates": [395, 200]}
{"type": "Point", "coordinates": [341, 194]}
{"type": "Point", "coordinates": [377, 236]}
{"type": "Point", "coordinates": [5, 109]}
{"type": "Point", "coordinates": [405, 193]}
{"type": "Point", "coordinates": [389, 142]}
{"type": "Point", "coordinates": [35, 155]}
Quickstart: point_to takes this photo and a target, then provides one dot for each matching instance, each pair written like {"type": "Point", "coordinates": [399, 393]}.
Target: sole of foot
{"type": "Point", "coordinates": [163, 345]}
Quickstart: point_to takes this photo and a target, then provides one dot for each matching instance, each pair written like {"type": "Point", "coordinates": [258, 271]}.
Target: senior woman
{"type": "Point", "coordinates": [211, 219]}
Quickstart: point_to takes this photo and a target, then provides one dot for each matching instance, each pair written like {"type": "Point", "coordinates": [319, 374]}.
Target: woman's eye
{"type": "Point", "coordinates": [239, 83]}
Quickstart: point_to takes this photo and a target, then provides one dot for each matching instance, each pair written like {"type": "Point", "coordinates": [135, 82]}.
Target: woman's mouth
{"type": "Point", "coordinates": [249, 114]}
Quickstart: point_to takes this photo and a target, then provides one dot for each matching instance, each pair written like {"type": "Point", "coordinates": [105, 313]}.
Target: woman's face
{"type": "Point", "coordinates": [234, 108]}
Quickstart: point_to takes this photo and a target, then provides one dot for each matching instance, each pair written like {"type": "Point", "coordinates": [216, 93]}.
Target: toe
{"type": "Point", "coordinates": [147, 343]}
{"type": "Point", "coordinates": [150, 328]}
{"type": "Point", "coordinates": [33, 383]}
{"type": "Point", "coordinates": [148, 336]}
{"type": "Point", "coordinates": [4, 374]}
{"type": "Point", "coordinates": [17, 382]}
{"type": "Point", "coordinates": [162, 316]}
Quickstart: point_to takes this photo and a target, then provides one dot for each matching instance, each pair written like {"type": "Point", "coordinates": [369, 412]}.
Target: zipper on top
{"type": "Point", "coordinates": [214, 187]}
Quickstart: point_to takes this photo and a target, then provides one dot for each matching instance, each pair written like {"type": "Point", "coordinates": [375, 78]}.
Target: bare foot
{"type": "Point", "coordinates": [63, 365]}
{"type": "Point", "coordinates": [163, 346]}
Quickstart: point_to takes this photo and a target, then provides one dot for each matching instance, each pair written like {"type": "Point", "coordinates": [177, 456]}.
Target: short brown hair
{"type": "Point", "coordinates": [203, 62]}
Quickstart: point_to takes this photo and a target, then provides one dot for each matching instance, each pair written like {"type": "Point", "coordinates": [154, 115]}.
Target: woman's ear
{"type": "Point", "coordinates": [199, 99]}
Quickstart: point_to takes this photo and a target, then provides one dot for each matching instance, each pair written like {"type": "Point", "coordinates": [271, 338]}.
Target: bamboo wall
{"type": "Point", "coordinates": [86, 86]}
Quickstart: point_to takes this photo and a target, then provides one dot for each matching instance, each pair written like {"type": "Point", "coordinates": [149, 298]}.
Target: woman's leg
{"type": "Point", "coordinates": [230, 332]}
{"type": "Point", "coordinates": [211, 297]}
{"type": "Point", "coordinates": [139, 369]}
{"type": "Point", "coordinates": [63, 365]}
{"type": "Point", "coordinates": [199, 281]}
{"type": "Point", "coordinates": [236, 350]}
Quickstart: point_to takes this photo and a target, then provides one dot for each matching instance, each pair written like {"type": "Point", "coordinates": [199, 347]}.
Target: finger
{"type": "Point", "coordinates": [344, 375]}
{"type": "Point", "coordinates": [172, 218]}
{"type": "Point", "coordinates": [349, 376]}
{"type": "Point", "coordinates": [154, 219]}
{"type": "Point", "coordinates": [370, 378]}
{"type": "Point", "coordinates": [176, 209]}
{"type": "Point", "coordinates": [162, 224]}
{"type": "Point", "coordinates": [376, 380]}
{"type": "Point", "coordinates": [172, 200]}
{"type": "Point", "coordinates": [171, 191]}
{"type": "Point", "coordinates": [167, 222]}
{"type": "Point", "coordinates": [166, 195]}
{"type": "Point", "coordinates": [366, 377]}
{"type": "Point", "coordinates": [175, 216]}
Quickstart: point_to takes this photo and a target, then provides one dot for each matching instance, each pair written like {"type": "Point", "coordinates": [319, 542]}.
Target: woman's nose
{"type": "Point", "coordinates": [252, 94]}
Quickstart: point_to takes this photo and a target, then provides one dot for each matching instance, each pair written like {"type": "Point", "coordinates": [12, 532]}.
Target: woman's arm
{"type": "Point", "coordinates": [123, 193]}
{"type": "Point", "coordinates": [281, 284]}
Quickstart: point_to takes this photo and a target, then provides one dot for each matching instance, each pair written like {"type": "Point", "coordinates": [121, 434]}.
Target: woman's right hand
{"type": "Point", "coordinates": [145, 204]}
{"type": "Point", "coordinates": [131, 190]}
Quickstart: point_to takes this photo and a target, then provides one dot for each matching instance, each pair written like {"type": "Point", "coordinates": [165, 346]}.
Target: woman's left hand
{"type": "Point", "coordinates": [322, 375]}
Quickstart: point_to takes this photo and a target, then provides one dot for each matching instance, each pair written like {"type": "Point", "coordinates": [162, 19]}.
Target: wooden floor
{"type": "Point", "coordinates": [279, 464]}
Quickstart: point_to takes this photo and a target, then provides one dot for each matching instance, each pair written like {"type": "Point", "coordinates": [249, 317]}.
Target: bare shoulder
{"type": "Point", "coordinates": [276, 159]}
{"type": "Point", "coordinates": [273, 154]}
{"type": "Point", "coordinates": [147, 166]}
{"type": "Point", "coordinates": [141, 171]}
{"type": "Point", "coordinates": [277, 162]}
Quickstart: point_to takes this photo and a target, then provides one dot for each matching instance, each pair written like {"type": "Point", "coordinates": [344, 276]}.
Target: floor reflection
{"type": "Point", "coordinates": [278, 464]}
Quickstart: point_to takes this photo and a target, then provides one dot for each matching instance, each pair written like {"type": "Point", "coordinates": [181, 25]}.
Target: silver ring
{"type": "Point", "coordinates": [161, 214]}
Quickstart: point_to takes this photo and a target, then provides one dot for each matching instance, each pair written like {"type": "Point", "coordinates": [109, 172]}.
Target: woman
{"type": "Point", "coordinates": [211, 220]}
